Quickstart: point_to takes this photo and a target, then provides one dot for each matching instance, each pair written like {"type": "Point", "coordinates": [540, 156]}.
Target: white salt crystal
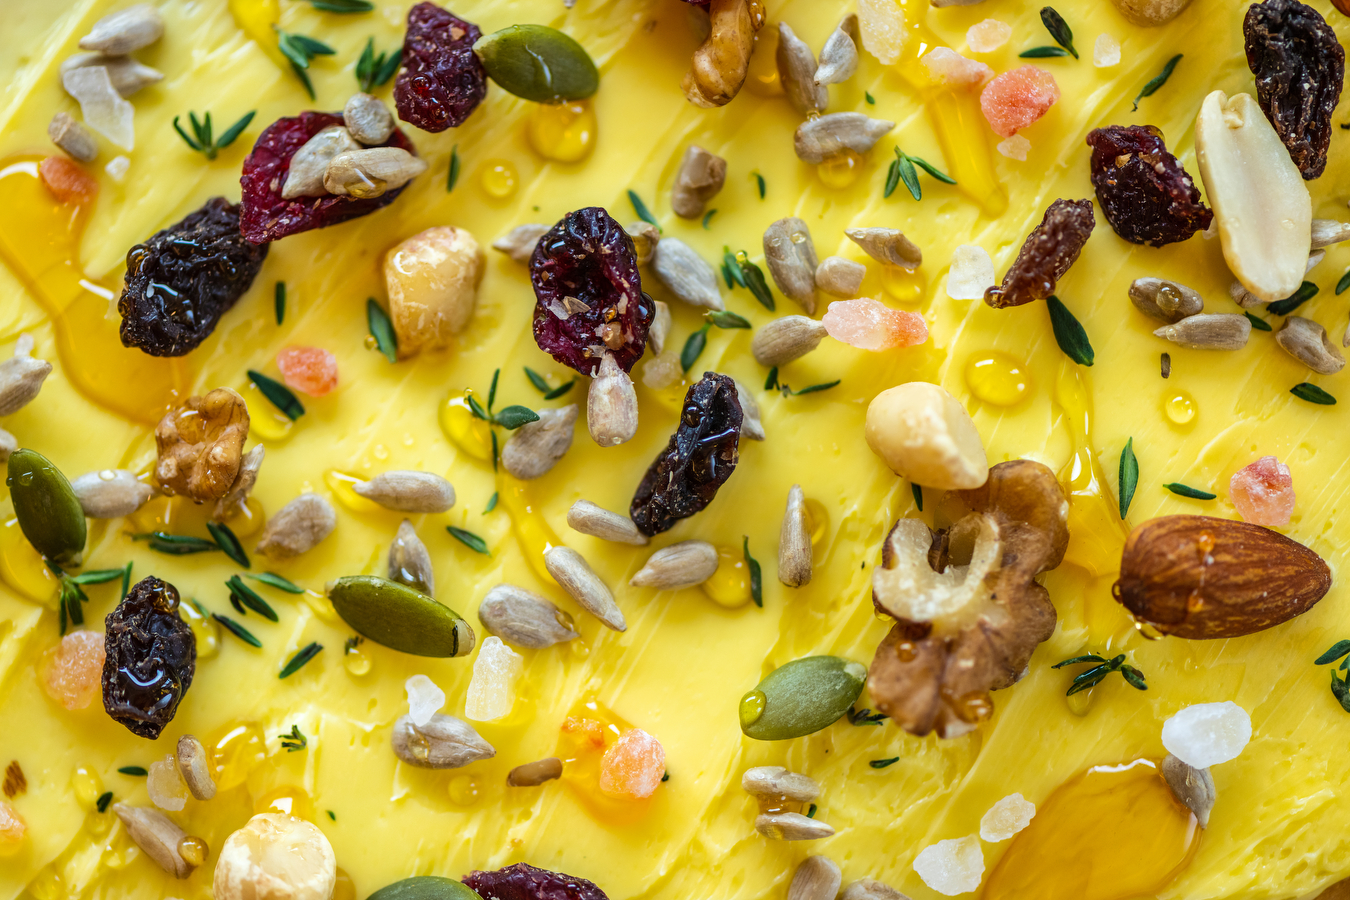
{"type": "Point", "coordinates": [117, 167]}
{"type": "Point", "coordinates": [951, 867]}
{"type": "Point", "coordinates": [492, 689]}
{"type": "Point", "coordinates": [882, 25]}
{"type": "Point", "coordinates": [1207, 734]}
{"type": "Point", "coordinates": [103, 108]}
{"type": "Point", "coordinates": [972, 271]}
{"type": "Point", "coordinates": [165, 786]}
{"type": "Point", "coordinates": [1106, 52]}
{"type": "Point", "coordinates": [987, 36]}
{"type": "Point", "coordinates": [1006, 817]}
{"type": "Point", "coordinates": [424, 699]}
{"type": "Point", "coordinates": [1015, 147]}
{"type": "Point", "coordinates": [952, 68]}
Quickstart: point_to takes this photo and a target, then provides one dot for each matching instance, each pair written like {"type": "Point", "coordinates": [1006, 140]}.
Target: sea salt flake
{"type": "Point", "coordinates": [882, 26]}
{"type": "Point", "coordinates": [1106, 52]}
{"type": "Point", "coordinates": [1263, 492]}
{"type": "Point", "coordinates": [1207, 734]}
{"type": "Point", "coordinates": [869, 325]}
{"type": "Point", "coordinates": [951, 867]}
{"type": "Point", "coordinates": [972, 271]}
{"type": "Point", "coordinates": [1006, 817]}
{"type": "Point", "coordinates": [987, 36]}
{"type": "Point", "coordinates": [117, 168]}
{"type": "Point", "coordinates": [950, 67]}
{"type": "Point", "coordinates": [492, 689]}
{"type": "Point", "coordinates": [424, 699]}
{"type": "Point", "coordinates": [103, 108]}
{"type": "Point", "coordinates": [165, 786]}
{"type": "Point", "coordinates": [1015, 147]}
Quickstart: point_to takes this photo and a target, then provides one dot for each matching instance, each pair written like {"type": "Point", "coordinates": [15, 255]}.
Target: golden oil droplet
{"type": "Point", "coordinates": [997, 378]}
{"type": "Point", "coordinates": [1081, 702]}
{"type": "Point", "coordinates": [357, 662]}
{"type": "Point", "coordinates": [193, 850]}
{"type": "Point", "coordinates": [729, 586]}
{"type": "Point", "coordinates": [817, 520]}
{"type": "Point", "coordinates": [343, 887]}
{"type": "Point", "coordinates": [342, 485]}
{"type": "Point", "coordinates": [533, 533]}
{"type": "Point", "coordinates": [464, 790]}
{"type": "Point", "coordinates": [47, 885]}
{"type": "Point", "coordinates": [499, 179]}
{"type": "Point", "coordinates": [564, 132]}
{"type": "Point", "coordinates": [773, 804]}
{"type": "Point", "coordinates": [86, 785]}
{"type": "Point", "coordinates": [752, 707]}
{"type": "Point", "coordinates": [762, 80]}
{"type": "Point", "coordinates": [266, 422]}
{"type": "Point", "coordinates": [204, 628]}
{"type": "Point", "coordinates": [904, 285]}
{"type": "Point", "coordinates": [840, 170]}
{"type": "Point", "coordinates": [465, 430]}
{"type": "Point", "coordinates": [580, 649]}
{"type": "Point", "coordinates": [248, 518]}
{"type": "Point", "coordinates": [288, 800]}
{"type": "Point", "coordinates": [122, 853]}
{"type": "Point", "coordinates": [1179, 408]}
{"type": "Point", "coordinates": [236, 750]}
{"type": "Point", "coordinates": [380, 452]}
{"type": "Point", "coordinates": [159, 514]}
{"type": "Point", "coordinates": [21, 566]}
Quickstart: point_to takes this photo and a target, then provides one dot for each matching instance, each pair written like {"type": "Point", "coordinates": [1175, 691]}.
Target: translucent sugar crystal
{"type": "Point", "coordinates": [972, 271]}
{"type": "Point", "coordinates": [1016, 99]}
{"type": "Point", "coordinates": [117, 168]}
{"type": "Point", "coordinates": [424, 699]}
{"type": "Point", "coordinates": [1015, 147]}
{"type": "Point", "coordinates": [632, 767]}
{"type": "Point", "coordinates": [492, 689]}
{"type": "Point", "coordinates": [882, 24]}
{"type": "Point", "coordinates": [950, 67]}
{"type": "Point", "coordinates": [1106, 52]}
{"type": "Point", "coordinates": [1207, 734]}
{"type": "Point", "coordinates": [72, 671]}
{"type": "Point", "coordinates": [951, 867]}
{"type": "Point", "coordinates": [165, 786]}
{"type": "Point", "coordinates": [987, 36]}
{"type": "Point", "coordinates": [103, 108]}
{"type": "Point", "coordinates": [1263, 492]}
{"type": "Point", "coordinates": [1006, 817]}
{"type": "Point", "coordinates": [869, 325]}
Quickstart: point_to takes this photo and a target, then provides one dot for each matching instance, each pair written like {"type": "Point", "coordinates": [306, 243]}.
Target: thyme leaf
{"type": "Point", "coordinates": [294, 740]}
{"type": "Point", "coordinates": [1157, 81]}
{"type": "Point", "coordinates": [469, 539]}
{"type": "Point", "coordinates": [1058, 28]}
{"type": "Point", "coordinates": [1069, 332]}
{"type": "Point", "coordinates": [381, 329]}
{"type": "Point", "coordinates": [297, 662]}
{"type": "Point", "coordinates": [756, 575]}
{"type": "Point", "coordinates": [1312, 393]}
{"type": "Point", "coordinates": [452, 175]}
{"type": "Point", "coordinates": [280, 395]}
{"type": "Point", "coordinates": [1182, 490]}
{"type": "Point", "coordinates": [1129, 476]}
{"type": "Point", "coordinates": [642, 211]}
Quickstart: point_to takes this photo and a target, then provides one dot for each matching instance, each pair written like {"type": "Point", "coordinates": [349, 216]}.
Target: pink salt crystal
{"type": "Point", "coordinates": [1263, 492]}
{"type": "Point", "coordinates": [310, 370]}
{"type": "Point", "coordinates": [1015, 99]}
{"type": "Point", "coordinates": [950, 67]}
{"type": "Point", "coordinates": [868, 325]}
{"type": "Point", "coordinates": [632, 766]}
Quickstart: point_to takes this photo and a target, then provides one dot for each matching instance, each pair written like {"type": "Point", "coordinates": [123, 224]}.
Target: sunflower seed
{"type": "Point", "coordinates": [237, 496]}
{"type": "Point", "coordinates": [8, 444]}
{"type": "Point", "coordinates": [78, 142]}
{"type": "Point", "coordinates": [371, 172]}
{"type": "Point", "coordinates": [111, 493]}
{"type": "Point", "coordinates": [571, 571]}
{"type": "Point", "coordinates": [791, 257]}
{"type": "Point", "coordinates": [409, 562]}
{"type": "Point", "coordinates": [776, 781]}
{"type": "Point", "coordinates": [645, 237]}
{"type": "Point", "coordinates": [298, 527]}
{"type": "Point", "coordinates": [1209, 331]}
{"type": "Point", "coordinates": [839, 56]}
{"type": "Point", "coordinates": [527, 620]}
{"type": "Point", "coordinates": [817, 878]}
{"type": "Point", "coordinates": [783, 340]}
{"type": "Point", "coordinates": [519, 242]}
{"type": "Point", "coordinates": [751, 426]}
{"type": "Point", "coordinates": [304, 178]}
{"type": "Point", "coordinates": [791, 826]}
{"type": "Point", "coordinates": [367, 119]}
{"type": "Point", "coordinates": [700, 177]}
{"type": "Point", "coordinates": [193, 766]}
{"type": "Point", "coordinates": [126, 74]}
{"type": "Point", "coordinates": [587, 518]}
{"type": "Point", "coordinates": [408, 491]}
{"type": "Point", "coordinates": [442, 743]}
{"type": "Point", "coordinates": [660, 330]}
{"type": "Point", "coordinates": [1193, 787]}
{"type": "Point", "coordinates": [794, 542]}
{"type": "Point", "coordinates": [871, 889]}
{"type": "Point", "coordinates": [678, 566]}
{"type": "Point", "coordinates": [816, 140]}
{"type": "Point", "coordinates": [686, 274]}
{"type": "Point", "coordinates": [535, 447]}
{"type": "Point", "coordinates": [1326, 232]}
{"type": "Point", "coordinates": [21, 378]}
{"type": "Point", "coordinates": [840, 277]}
{"type": "Point", "coordinates": [535, 773]}
{"type": "Point", "coordinates": [126, 30]}
{"type": "Point", "coordinates": [1165, 300]}
{"type": "Point", "coordinates": [797, 72]}
{"type": "Point", "coordinates": [156, 835]}
{"type": "Point", "coordinates": [611, 405]}
{"type": "Point", "coordinates": [887, 245]}
{"type": "Point", "coordinates": [1307, 342]}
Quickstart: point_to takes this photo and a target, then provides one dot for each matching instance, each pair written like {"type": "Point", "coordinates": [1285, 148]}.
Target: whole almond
{"type": "Point", "coordinates": [1202, 578]}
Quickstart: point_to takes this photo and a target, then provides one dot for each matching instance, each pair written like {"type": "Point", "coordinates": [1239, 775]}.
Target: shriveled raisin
{"type": "Point", "coordinates": [525, 882]}
{"type": "Point", "coordinates": [1143, 190]}
{"type": "Point", "coordinates": [184, 278]}
{"type": "Point", "coordinates": [588, 293]}
{"type": "Point", "coordinates": [1299, 67]}
{"type": "Point", "coordinates": [1046, 254]}
{"type": "Point", "coordinates": [265, 215]}
{"type": "Point", "coordinates": [442, 80]}
{"type": "Point", "coordinates": [151, 657]}
{"type": "Point", "coordinates": [701, 456]}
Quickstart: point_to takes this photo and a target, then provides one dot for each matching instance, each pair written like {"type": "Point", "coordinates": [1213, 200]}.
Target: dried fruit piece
{"type": "Point", "coordinates": [632, 766]}
{"type": "Point", "coordinates": [1046, 254]}
{"type": "Point", "coordinates": [1299, 67]}
{"type": "Point", "coordinates": [700, 457]}
{"type": "Point", "coordinates": [1016, 99]}
{"type": "Point", "coordinates": [151, 658]}
{"type": "Point", "coordinates": [1144, 192]}
{"type": "Point", "coordinates": [869, 325]}
{"type": "Point", "coordinates": [265, 215]}
{"type": "Point", "coordinates": [72, 671]}
{"type": "Point", "coordinates": [201, 445]}
{"type": "Point", "coordinates": [1263, 492]}
{"type": "Point", "coordinates": [525, 882]}
{"type": "Point", "coordinates": [442, 80]}
{"type": "Point", "coordinates": [67, 182]}
{"type": "Point", "coordinates": [310, 370]}
{"type": "Point", "coordinates": [588, 292]}
{"type": "Point", "coordinates": [184, 278]}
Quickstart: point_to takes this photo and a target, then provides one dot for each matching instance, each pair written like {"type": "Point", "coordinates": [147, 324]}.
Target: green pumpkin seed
{"type": "Point", "coordinates": [801, 697]}
{"type": "Point", "coordinates": [425, 887]}
{"type": "Point", "coordinates": [400, 617]}
{"type": "Point", "coordinates": [538, 63]}
{"type": "Point", "coordinates": [45, 505]}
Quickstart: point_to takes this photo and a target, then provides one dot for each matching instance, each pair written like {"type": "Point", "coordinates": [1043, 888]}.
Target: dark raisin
{"type": "Point", "coordinates": [701, 456]}
{"type": "Point", "coordinates": [442, 80]}
{"type": "Point", "coordinates": [1046, 254]}
{"type": "Point", "coordinates": [152, 655]}
{"type": "Point", "coordinates": [264, 215]}
{"type": "Point", "coordinates": [588, 292]}
{"type": "Point", "coordinates": [525, 882]}
{"type": "Point", "coordinates": [1299, 67]}
{"type": "Point", "coordinates": [184, 278]}
{"type": "Point", "coordinates": [1142, 189]}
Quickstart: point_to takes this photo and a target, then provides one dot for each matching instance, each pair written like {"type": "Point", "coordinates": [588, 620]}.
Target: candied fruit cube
{"type": "Point", "coordinates": [585, 730]}
{"type": "Point", "coordinates": [165, 785]}
{"type": "Point", "coordinates": [987, 36]}
{"type": "Point", "coordinates": [951, 867]}
{"type": "Point", "coordinates": [1006, 818]}
{"type": "Point", "coordinates": [1016, 99]}
{"type": "Point", "coordinates": [633, 766]}
{"type": "Point", "coordinates": [1206, 734]}
{"type": "Point", "coordinates": [1263, 492]}
{"type": "Point", "coordinates": [869, 325]}
{"type": "Point", "coordinates": [12, 827]}
{"type": "Point", "coordinates": [1015, 147]}
{"type": "Point", "coordinates": [1106, 52]}
{"type": "Point", "coordinates": [882, 27]}
{"type": "Point", "coordinates": [424, 698]}
{"type": "Point", "coordinates": [309, 370]}
{"type": "Point", "coordinates": [949, 67]}
{"type": "Point", "coordinates": [72, 671]}
{"type": "Point", "coordinates": [492, 689]}
{"type": "Point", "coordinates": [67, 181]}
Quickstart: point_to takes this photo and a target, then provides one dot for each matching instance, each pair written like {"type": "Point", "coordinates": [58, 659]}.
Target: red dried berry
{"type": "Point", "coordinates": [184, 278]}
{"type": "Point", "coordinates": [1046, 254]}
{"type": "Point", "coordinates": [525, 882]}
{"type": "Point", "coordinates": [151, 657]}
{"type": "Point", "coordinates": [442, 80]}
{"type": "Point", "coordinates": [701, 456]}
{"type": "Point", "coordinates": [1143, 191]}
{"type": "Point", "coordinates": [265, 215]}
{"type": "Point", "coordinates": [588, 292]}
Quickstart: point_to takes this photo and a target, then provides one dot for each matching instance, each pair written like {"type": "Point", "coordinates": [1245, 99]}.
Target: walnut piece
{"type": "Point", "coordinates": [969, 614]}
{"type": "Point", "coordinates": [201, 444]}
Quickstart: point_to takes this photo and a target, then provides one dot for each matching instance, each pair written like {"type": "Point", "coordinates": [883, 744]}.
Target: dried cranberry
{"type": "Point", "coordinates": [1299, 67]}
{"type": "Point", "coordinates": [588, 293]}
{"type": "Point", "coordinates": [525, 882]}
{"type": "Point", "coordinates": [1144, 192]}
{"type": "Point", "coordinates": [265, 215]}
{"type": "Point", "coordinates": [701, 456]}
{"type": "Point", "coordinates": [151, 657]}
{"type": "Point", "coordinates": [184, 278]}
{"type": "Point", "coordinates": [442, 80]}
{"type": "Point", "coordinates": [1046, 254]}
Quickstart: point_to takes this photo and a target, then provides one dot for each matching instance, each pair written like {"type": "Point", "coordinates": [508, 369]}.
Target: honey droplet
{"type": "Point", "coordinates": [193, 850]}
{"type": "Point", "coordinates": [86, 785]}
{"type": "Point", "coordinates": [904, 285]}
{"type": "Point", "coordinates": [817, 520]}
{"type": "Point", "coordinates": [752, 707]}
{"type": "Point", "coordinates": [1179, 408]}
{"type": "Point", "coordinates": [289, 800]}
{"type": "Point", "coordinates": [465, 430]}
{"type": "Point", "coordinates": [840, 170]}
{"type": "Point", "coordinates": [499, 179]}
{"type": "Point", "coordinates": [464, 790]}
{"type": "Point", "coordinates": [265, 421]}
{"type": "Point", "coordinates": [356, 661]}
{"type": "Point", "coordinates": [21, 566]}
{"type": "Point", "coordinates": [564, 132]}
{"type": "Point", "coordinates": [773, 804]}
{"type": "Point", "coordinates": [342, 485]}
{"type": "Point", "coordinates": [204, 628]}
{"type": "Point", "coordinates": [997, 378]}
{"type": "Point", "coordinates": [235, 752]}
{"type": "Point", "coordinates": [533, 533]}
{"type": "Point", "coordinates": [343, 887]}
{"type": "Point", "coordinates": [729, 586]}
{"type": "Point", "coordinates": [762, 79]}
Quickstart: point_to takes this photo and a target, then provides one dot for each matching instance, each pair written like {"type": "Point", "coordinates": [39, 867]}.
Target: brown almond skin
{"type": "Point", "coordinates": [1251, 579]}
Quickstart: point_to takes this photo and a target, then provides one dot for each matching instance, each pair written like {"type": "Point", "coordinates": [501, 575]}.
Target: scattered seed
{"type": "Point", "coordinates": [444, 742]}
{"type": "Point", "coordinates": [304, 177]}
{"type": "Point", "coordinates": [611, 404]}
{"type": "Point", "coordinates": [535, 773]}
{"type": "Point", "coordinates": [126, 74]}
{"type": "Point", "coordinates": [157, 835]}
{"type": "Point", "coordinates": [839, 56]}
{"type": "Point", "coordinates": [1193, 787]}
{"type": "Point", "coordinates": [645, 238]}
{"type": "Point", "coordinates": [699, 178]}
{"type": "Point", "coordinates": [817, 878]}
{"type": "Point", "coordinates": [887, 245]}
{"type": "Point", "coordinates": [371, 172]}
{"type": "Point", "coordinates": [1326, 232]}
{"type": "Point", "coordinates": [794, 542]}
{"type": "Point", "coordinates": [1209, 331]}
{"type": "Point", "coordinates": [193, 765]}
{"type": "Point", "coordinates": [786, 339]}
{"type": "Point", "coordinates": [791, 826]}
{"type": "Point", "coordinates": [400, 617]}
{"type": "Point", "coordinates": [587, 518]}
{"type": "Point", "coordinates": [686, 274]}
{"type": "Point", "coordinates": [297, 527]}
{"type": "Point", "coordinates": [121, 32]}
{"type": "Point", "coordinates": [524, 619]}
{"type": "Point", "coordinates": [801, 697]}
{"type": "Point", "coordinates": [840, 277]}
{"type": "Point", "coordinates": [1165, 300]}
{"type": "Point", "coordinates": [576, 577]}
{"type": "Point", "coordinates": [111, 493]}
{"type": "Point", "coordinates": [21, 378]}
{"type": "Point", "coordinates": [776, 781]}
{"type": "Point", "coordinates": [409, 562]}
{"type": "Point", "coordinates": [816, 140]}
{"type": "Point", "coordinates": [519, 242]}
{"type": "Point", "coordinates": [536, 447]}
{"type": "Point", "coordinates": [680, 565]}
{"type": "Point", "coordinates": [78, 142]}
{"type": "Point", "coordinates": [408, 491]}
{"type": "Point", "coordinates": [660, 329]}
{"type": "Point", "coordinates": [751, 426]}
{"type": "Point", "coordinates": [797, 72]}
{"type": "Point", "coordinates": [1308, 342]}
{"type": "Point", "coordinates": [791, 257]}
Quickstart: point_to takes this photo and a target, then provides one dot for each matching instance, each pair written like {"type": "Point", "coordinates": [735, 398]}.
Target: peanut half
{"type": "Point", "coordinates": [924, 434]}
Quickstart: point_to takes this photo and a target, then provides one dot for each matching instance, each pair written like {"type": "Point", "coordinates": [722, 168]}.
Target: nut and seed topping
{"type": "Point", "coordinates": [193, 765]}
{"type": "Point", "coordinates": [400, 617]}
{"type": "Point", "coordinates": [587, 518]}
{"type": "Point", "coordinates": [527, 620]}
{"type": "Point", "coordinates": [678, 566]}
{"type": "Point", "coordinates": [519, 242]}
{"type": "Point", "coordinates": [201, 445]}
{"type": "Point", "coordinates": [278, 856]}
{"type": "Point", "coordinates": [535, 447]}
{"type": "Point", "coordinates": [367, 119]}
{"type": "Point", "coordinates": [1046, 255]}
{"type": "Point", "coordinates": [237, 496]}
{"type": "Point", "coordinates": [310, 162]}
{"type": "Point", "coordinates": [783, 340]}
{"type": "Point", "coordinates": [1209, 331]}
{"type": "Point", "coordinates": [408, 491]}
{"type": "Point", "coordinates": [791, 826]}
{"type": "Point", "coordinates": [719, 66]}
{"type": "Point", "coordinates": [8, 444]}
{"type": "Point", "coordinates": [111, 493]}
{"type": "Point", "coordinates": [840, 277]}
{"type": "Point", "coordinates": [871, 889]}
{"type": "Point", "coordinates": [432, 281]}
{"type": "Point", "coordinates": [794, 542]}
{"type": "Point", "coordinates": [817, 878]}
{"type": "Point", "coordinates": [1193, 787]}
{"type": "Point", "coordinates": [611, 405]}
{"type": "Point", "coordinates": [817, 140]}
{"type": "Point", "coordinates": [371, 172]}
{"type": "Point", "coordinates": [686, 274]}
{"type": "Point", "coordinates": [78, 142]}
{"type": "Point", "coordinates": [409, 562]}
{"type": "Point", "coordinates": [660, 330]}
{"type": "Point", "coordinates": [839, 56]}
{"type": "Point", "coordinates": [44, 503]}
{"type": "Point", "coordinates": [1326, 232]}
{"type": "Point", "coordinates": [776, 781]}
{"type": "Point", "coordinates": [645, 237]}
{"type": "Point", "coordinates": [535, 773]}
{"type": "Point", "coordinates": [700, 177]}
{"type": "Point", "coordinates": [444, 742]}
{"type": "Point", "coordinates": [887, 245]}
{"type": "Point", "coordinates": [21, 377]}
{"type": "Point", "coordinates": [298, 527]}
{"type": "Point", "coordinates": [751, 426]}
{"type": "Point", "coordinates": [1308, 342]}
{"type": "Point", "coordinates": [126, 74]}
{"type": "Point", "coordinates": [119, 33]}
{"type": "Point", "coordinates": [797, 71]}
{"type": "Point", "coordinates": [924, 434]}
{"type": "Point", "coordinates": [791, 257]}
{"type": "Point", "coordinates": [1149, 13]}
{"type": "Point", "coordinates": [1169, 301]}
{"type": "Point", "coordinates": [576, 577]}
{"type": "Point", "coordinates": [156, 835]}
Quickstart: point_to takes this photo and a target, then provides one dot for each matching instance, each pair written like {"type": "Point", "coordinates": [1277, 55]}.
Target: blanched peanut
{"type": "Point", "coordinates": [432, 282]}
{"type": "Point", "coordinates": [924, 434]}
{"type": "Point", "coordinates": [275, 857]}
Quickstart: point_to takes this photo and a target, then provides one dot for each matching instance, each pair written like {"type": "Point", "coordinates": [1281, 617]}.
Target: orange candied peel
{"type": "Point", "coordinates": [588, 730]}
{"type": "Point", "coordinates": [72, 670]}
{"type": "Point", "coordinates": [633, 766]}
{"type": "Point", "coordinates": [67, 181]}
{"type": "Point", "coordinates": [310, 370]}
{"type": "Point", "coordinates": [12, 827]}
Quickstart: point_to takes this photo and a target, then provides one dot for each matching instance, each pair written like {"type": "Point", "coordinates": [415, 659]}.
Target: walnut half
{"type": "Point", "coordinates": [968, 611]}
{"type": "Point", "coordinates": [201, 444]}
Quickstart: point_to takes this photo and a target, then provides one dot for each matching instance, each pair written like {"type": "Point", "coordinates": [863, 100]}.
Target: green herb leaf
{"type": "Point", "coordinates": [191, 142]}
{"type": "Point", "coordinates": [311, 47]}
{"type": "Point", "coordinates": [918, 495]}
{"type": "Point", "coordinates": [731, 269]}
{"type": "Point", "coordinates": [237, 630]}
{"type": "Point", "coordinates": [1341, 691]}
{"type": "Point", "coordinates": [229, 135]}
{"type": "Point", "coordinates": [134, 771]}
{"type": "Point", "coordinates": [726, 319]}
{"type": "Point", "coordinates": [98, 576]}
{"type": "Point", "coordinates": [104, 799]}
{"type": "Point", "coordinates": [865, 717]}
{"type": "Point", "coordinates": [1182, 490]}
{"type": "Point", "coordinates": [274, 580]}
{"type": "Point", "coordinates": [175, 544]}
{"type": "Point", "coordinates": [811, 813]}
{"type": "Point", "coordinates": [1343, 284]}
{"type": "Point", "coordinates": [1058, 28]}
{"type": "Point", "coordinates": [871, 101]}
{"type": "Point", "coordinates": [1094, 674]}
{"type": "Point", "coordinates": [1258, 324]}
{"type": "Point", "coordinates": [693, 347]}
{"type": "Point", "coordinates": [228, 542]}
{"type": "Point", "coordinates": [1338, 649]}
{"type": "Point", "coordinates": [452, 176]}
{"type": "Point", "coordinates": [250, 598]}
{"type": "Point", "coordinates": [492, 388]}
{"type": "Point", "coordinates": [1133, 677]}
{"type": "Point", "coordinates": [932, 170]}
{"type": "Point", "coordinates": [560, 390]}
{"type": "Point", "coordinates": [292, 51]}
{"type": "Point", "coordinates": [294, 740]}
{"type": "Point", "coordinates": [1312, 393]}
{"type": "Point", "coordinates": [1042, 53]}
{"type": "Point", "coordinates": [388, 65]}
{"type": "Point", "coordinates": [1129, 476]}
{"type": "Point", "coordinates": [756, 575]}
{"type": "Point", "coordinates": [883, 763]}
{"type": "Point", "coordinates": [1306, 291]}
{"type": "Point", "coordinates": [753, 278]}
{"type": "Point", "coordinates": [381, 329]}
{"type": "Point", "coordinates": [892, 179]}
{"type": "Point", "coordinates": [203, 142]}
{"type": "Point", "coordinates": [491, 504]}
{"type": "Point", "coordinates": [513, 417]}
{"type": "Point", "coordinates": [1086, 657]}
{"type": "Point", "coordinates": [908, 175]}
{"type": "Point", "coordinates": [343, 6]}
{"type": "Point", "coordinates": [279, 394]}
{"type": "Point", "coordinates": [469, 539]}
{"type": "Point", "coordinates": [332, 815]}
{"type": "Point", "coordinates": [815, 388]}
{"type": "Point", "coordinates": [771, 383]}
{"type": "Point", "coordinates": [298, 661]}
{"type": "Point", "coordinates": [642, 211]}
{"type": "Point", "coordinates": [476, 408]}
{"type": "Point", "coordinates": [304, 79]}
{"type": "Point", "coordinates": [1069, 333]}
{"type": "Point", "coordinates": [707, 217]}
{"type": "Point", "coordinates": [1158, 81]}
{"type": "Point", "coordinates": [537, 380]}
{"type": "Point", "coordinates": [279, 302]}
{"type": "Point", "coordinates": [759, 179]}
{"type": "Point", "coordinates": [126, 582]}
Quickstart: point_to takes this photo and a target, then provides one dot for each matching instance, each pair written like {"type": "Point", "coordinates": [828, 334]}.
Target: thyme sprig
{"type": "Point", "coordinates": [294, 740]}
{"type": "Point", "coordinates": [1339, 687]}
{"type": "Point", "coordinates": [373, 70]}
{"type": "Point", "coordinates": [773, 384]}
{"type": "Point", "coordinates": [300, 50]}
{"type": "Point", "coordinates": [510, 418]}
{"type": "Point", "coordinates": [1157, 81]}
{"type": "Point", "coordinates": [203, 141]}
{"type": "Point", "coordinates": [1093, 676]}
{"type": "Point", "coordinates": [865, 716]}
{"type": "Point", "coordinates": [71, 595]}
{"type": "Point", "coordinates": [903, 168]}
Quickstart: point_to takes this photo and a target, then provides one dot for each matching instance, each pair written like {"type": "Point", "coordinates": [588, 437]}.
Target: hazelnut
{"type": "Point", "coordinates": [275, 857]}
{"type": "Point", "coordinates": [924, 434]}
{"type": "Point", "coordinates": [432, 282]}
